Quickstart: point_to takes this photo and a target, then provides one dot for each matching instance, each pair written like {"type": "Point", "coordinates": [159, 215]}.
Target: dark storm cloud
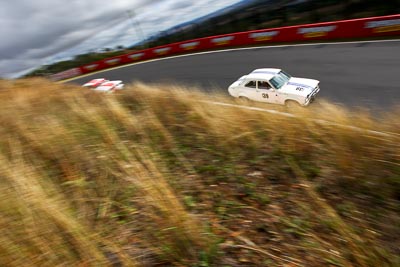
{"type": "Point", "coordinates": [38, 24]}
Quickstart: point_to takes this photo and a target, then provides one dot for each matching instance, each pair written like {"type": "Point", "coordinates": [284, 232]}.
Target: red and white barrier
{"type": "Point", "coordinates": [336, 30]}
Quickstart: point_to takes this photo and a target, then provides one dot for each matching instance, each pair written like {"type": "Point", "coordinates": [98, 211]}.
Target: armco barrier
{"type": "Point", "coordinates": [67, 74]}
{"type": "Point", "coordinates": [336, 30]}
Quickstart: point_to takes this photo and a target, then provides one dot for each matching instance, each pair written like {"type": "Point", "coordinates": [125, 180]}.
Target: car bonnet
{"type": "Point", "coordinates": [300, 86]}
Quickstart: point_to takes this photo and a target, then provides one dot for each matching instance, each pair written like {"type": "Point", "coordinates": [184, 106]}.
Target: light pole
{"type": "Point", "coordinates": [135, 25]}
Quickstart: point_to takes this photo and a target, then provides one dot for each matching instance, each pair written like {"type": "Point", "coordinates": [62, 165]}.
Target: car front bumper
{"type": "Point", "coordinates": [311, 97]}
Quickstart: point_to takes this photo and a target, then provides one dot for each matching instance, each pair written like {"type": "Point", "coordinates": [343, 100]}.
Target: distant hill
{"type": "Point", "coordinates": [259, 14]}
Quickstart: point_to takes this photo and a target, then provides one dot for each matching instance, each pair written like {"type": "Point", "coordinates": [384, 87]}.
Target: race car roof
{"type": "Point", "coordinates": [263, 74]}
{"type": "Point", "coordinates": [271, 71]}
{"type": "Point", "coordinates": [95, 82]}
{"type": "Point", "coordinates": [111, 83]}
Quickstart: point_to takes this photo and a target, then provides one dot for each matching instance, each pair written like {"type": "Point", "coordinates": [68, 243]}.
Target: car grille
{"type": "Point", "coordinates": [316, 90]}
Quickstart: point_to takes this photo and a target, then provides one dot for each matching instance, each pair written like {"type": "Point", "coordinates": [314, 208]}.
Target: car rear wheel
{"type": "Point", "coordinates": [244, 100]}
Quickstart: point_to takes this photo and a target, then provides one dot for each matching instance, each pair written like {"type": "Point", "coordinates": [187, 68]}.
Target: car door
{"type": "Point", "coordinates": [266, 93]}
{"type": "Point", "coordinates": [249, 90]}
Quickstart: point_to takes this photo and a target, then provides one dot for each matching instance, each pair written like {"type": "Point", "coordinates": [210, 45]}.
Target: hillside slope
{"type": "Point", "coordinates": [155, 176]}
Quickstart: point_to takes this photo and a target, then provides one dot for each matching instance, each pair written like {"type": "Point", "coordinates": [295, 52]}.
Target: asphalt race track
{"type": "Point", "coordinates": [354, 74]}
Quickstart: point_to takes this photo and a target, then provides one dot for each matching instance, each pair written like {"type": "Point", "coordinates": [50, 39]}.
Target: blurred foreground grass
{"type": "Point", "coordinates": [153, 176]}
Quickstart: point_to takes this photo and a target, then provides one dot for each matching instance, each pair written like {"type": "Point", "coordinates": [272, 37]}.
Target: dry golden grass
{"type": "Point", "coordinates": [159, 176]}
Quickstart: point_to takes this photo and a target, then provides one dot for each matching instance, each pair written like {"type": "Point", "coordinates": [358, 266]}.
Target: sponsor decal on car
{"type": "Point", "coordinates": [222, 40]}
{"type": "Point", "coordinates": [162, 51]}
{"type": "Point", "coordinates": [263, 36]}
{"type": "Point", "coordinates": [91, 67]}
{"type": "Point", "coordinates": [113, 61]}
{"type": "Point", "coordinates": [391, 25]}
{"type": "Point", "coordinates": [189, 46]}
{"type": "Point", "coordinates": [316, 31]}
{"type": "Point", "coordinates": [136, 56]}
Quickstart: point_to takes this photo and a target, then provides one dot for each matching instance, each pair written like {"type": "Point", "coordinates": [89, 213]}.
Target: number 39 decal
{"type": "Point", "coordinates": [265, 95]}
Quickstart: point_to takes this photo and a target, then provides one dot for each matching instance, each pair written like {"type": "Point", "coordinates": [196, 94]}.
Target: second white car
{"type": "Point", "coordinates": [104, 85]}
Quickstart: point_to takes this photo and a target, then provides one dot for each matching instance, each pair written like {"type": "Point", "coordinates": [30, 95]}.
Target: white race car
{"type": "Point", "coordinates": [275, 86]}
{"type": "Point", "coordinates": [104, 85]}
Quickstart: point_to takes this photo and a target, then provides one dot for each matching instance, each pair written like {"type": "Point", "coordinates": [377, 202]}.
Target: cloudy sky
{"type": "Point", "coordinates": [37, 32]}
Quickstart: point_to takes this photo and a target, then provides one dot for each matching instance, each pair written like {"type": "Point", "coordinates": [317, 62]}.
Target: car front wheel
{"type": "Point", "coordinates": [292, 104]}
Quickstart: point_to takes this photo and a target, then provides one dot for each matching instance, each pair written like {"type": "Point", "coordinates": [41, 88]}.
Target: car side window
{"type": "Point", "coordinates": [263, 85]}
{"type": "Point", "coordinates": [251, 84]}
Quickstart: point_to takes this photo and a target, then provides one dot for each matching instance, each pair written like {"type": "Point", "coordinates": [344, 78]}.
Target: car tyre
{"type": "Point", "coordinates": [244, 100]}
{"type": "Point", "coordinates": [292, 104]}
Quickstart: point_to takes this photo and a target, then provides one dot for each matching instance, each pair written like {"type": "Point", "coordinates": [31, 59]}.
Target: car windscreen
{"type": "Point", "coordinates": [285, 74]}
{"type": "Point", "coordinates": [280, 79]}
